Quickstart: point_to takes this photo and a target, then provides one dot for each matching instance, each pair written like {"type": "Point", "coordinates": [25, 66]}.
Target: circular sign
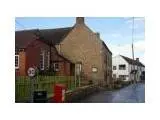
{"type": "Point", "coordinates": [31, 72]}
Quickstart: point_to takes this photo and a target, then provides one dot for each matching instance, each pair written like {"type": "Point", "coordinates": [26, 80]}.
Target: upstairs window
{"type": "Point", "coordinates": [17, 61]}
{"type": "Point", "coordinates": [114, 67]}
{"type": "Point", "coordinates": [122, 67]}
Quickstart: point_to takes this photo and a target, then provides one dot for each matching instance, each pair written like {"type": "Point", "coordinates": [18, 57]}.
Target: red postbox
{"type": "Point", "coordinates": [59, 93]}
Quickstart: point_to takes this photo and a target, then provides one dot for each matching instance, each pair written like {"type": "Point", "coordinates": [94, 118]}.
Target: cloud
{"type": "Point", "coordinates": [126, 49]}
{"type": "Point", "coordinates": [138, 22]}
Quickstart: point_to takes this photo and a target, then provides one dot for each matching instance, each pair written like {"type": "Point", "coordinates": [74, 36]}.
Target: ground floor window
{"type": "Point", "coordinates": [123, 77]}
{"type": "Point", "coordinates": [48, 60]}
{"type": "Point", "coordinates": [56, 67]}
{"type": "Point", "coordinates": [42, 60]}
{"type": "Point", "coordinates": [78, 68]}
{"type": "Point", "coordinates": [114, 75]}
{"type": "Point", "coordinates": [16, 61]}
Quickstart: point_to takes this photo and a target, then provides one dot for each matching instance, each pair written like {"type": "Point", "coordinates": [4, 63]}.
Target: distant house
{"type": "Point", "coordinates": [31, 50]}
{"type": "Point", "coordinates": [127, 69]}
{"type": "Point", "coordinates": [79, 45]}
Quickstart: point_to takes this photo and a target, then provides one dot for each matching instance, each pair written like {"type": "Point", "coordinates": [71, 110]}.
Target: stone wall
{"type": "Point", "coordinates": [80, 93]}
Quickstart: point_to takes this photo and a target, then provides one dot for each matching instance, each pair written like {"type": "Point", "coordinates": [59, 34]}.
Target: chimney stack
{"type": "Point", "coordinates": [79, 20]}
{"type": "Point", "coordinates": [98, 34]}
{"type": "Point", "coordinates": [137, 59]}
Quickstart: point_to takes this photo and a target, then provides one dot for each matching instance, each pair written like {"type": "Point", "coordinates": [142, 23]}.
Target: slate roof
{"type": "Point", "coordinates": [23, 38]}
{"type": "Point", "coordinates": [131, 61]}
{"type": "Point", "coordinates": [49, 36]}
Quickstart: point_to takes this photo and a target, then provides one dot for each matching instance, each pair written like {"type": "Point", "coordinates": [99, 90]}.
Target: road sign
{"type": "Point", "coordinates": [31, 72]}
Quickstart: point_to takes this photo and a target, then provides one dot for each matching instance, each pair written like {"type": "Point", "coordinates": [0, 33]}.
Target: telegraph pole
{"type": "Point", "coordinates": [134, 78]}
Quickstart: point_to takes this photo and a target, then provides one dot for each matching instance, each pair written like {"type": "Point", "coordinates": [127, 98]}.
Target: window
{"type": "Point", "coordinates": [56, 67]}
{"type": "Point", "coordinates": [16, 61]}
{"type": "Point", "coordinates": [114, 67]}
{"type": "Point", "coordinates": [122, 67]}
{"type": "Point", "coordinates": [94, 69]}
{"type": "Point", "coordinates": [114, 76]}
{"type": "Point", "coordinates": [78, 68]}
{"type": "Point", "coordinates": [42, 60]}
{"type": "Point", "coordinates": [122, 77]}
{"type": "Point", "coordinates": [48, 60]}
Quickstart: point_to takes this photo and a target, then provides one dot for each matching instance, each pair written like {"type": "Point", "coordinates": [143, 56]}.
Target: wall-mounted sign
{"type": "Point", "coordinates": [94, 69]}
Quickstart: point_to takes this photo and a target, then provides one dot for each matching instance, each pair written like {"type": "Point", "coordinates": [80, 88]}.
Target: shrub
{"type": "Point", "coordinates": [46, 73]}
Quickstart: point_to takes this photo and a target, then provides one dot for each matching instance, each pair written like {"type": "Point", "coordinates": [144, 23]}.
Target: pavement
{"type": "Point", "coordinates": [130, 94]}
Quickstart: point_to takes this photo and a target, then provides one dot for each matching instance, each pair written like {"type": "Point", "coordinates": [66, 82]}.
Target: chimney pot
{"type": "Point", "coordinates": [137, 59]}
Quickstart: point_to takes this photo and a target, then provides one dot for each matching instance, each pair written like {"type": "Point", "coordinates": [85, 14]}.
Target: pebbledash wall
{"type": "Point", "coordinates": [85, 46]}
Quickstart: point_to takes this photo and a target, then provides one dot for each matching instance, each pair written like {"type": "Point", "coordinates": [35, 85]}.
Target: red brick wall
{"type": "Point", "coordinates": [67, 68]}
{"type": "Point", "coordinates": [31, 57]}
{"type": "Point", "coordinates": [64, 69]}
{"type": "Point", "coordinates": [22, 60]}
{"type": "Point", "coordinates": [33, 53]}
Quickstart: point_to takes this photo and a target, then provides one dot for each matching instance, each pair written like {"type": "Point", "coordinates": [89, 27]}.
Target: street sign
{"type": "Point", "coordinates": [31, 72]}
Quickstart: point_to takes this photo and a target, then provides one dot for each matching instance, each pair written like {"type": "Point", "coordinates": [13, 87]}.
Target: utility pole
{"type": "Point", "coordinates": [134, 72]}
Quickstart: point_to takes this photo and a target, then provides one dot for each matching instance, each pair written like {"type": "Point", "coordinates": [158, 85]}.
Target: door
{"type": "Point", "coordinates": [78, 71]}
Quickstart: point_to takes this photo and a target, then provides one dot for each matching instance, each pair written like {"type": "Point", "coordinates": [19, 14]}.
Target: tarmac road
{"type": "Point", "coordinates": [129, 94]}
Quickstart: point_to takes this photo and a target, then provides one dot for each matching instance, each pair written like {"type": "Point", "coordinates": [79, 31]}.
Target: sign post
{"type": "Point", "coordinates": [31, 73]}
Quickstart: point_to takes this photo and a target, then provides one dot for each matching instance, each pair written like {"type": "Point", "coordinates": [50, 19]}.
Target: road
{"type": "Point", "coordinates": [129, 94]}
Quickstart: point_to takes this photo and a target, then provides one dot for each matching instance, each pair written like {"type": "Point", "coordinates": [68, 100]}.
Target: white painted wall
{"type": "Point", "coordinates": [116, 61]}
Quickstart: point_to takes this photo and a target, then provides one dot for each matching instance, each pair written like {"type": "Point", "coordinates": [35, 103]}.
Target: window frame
{"type": "Point", "coordinates": [124, 77]}
{"type": "Point", "coordinates": [55, 69]}
{"type": "Point", "coordinates": [17, 67]}
{"type": "Point", "coordinates": [48, 60]}
{"type": "Point", "coordinates": [115, 67]}
{"type": "Point", "coordinates": [122, 68]}
{"type": "Point", "coordinates": [43, 56]}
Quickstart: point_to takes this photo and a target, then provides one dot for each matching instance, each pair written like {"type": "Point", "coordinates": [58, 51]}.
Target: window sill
{"type": "Point", "coordinates": [17, 68]}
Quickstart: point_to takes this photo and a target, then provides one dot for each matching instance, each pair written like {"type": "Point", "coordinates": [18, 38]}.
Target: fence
{"type": "Point", "coordinates": [23, 85]}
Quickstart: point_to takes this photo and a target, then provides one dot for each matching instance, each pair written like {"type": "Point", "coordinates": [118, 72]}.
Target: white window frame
{"type": "Point", "coordinates": [42, 53]}
{"type": "Point", "coordinates": [114, 67]}
{"type": "Point", "coordinates": [17, 67]}
{"type": "Point", "coordinates": [48, 58]}
{"type": "Point", "coordinates": [55, 67]}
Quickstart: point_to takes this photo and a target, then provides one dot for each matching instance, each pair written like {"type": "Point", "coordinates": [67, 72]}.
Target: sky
{"type": "Point", "coordinates": [116, 32]}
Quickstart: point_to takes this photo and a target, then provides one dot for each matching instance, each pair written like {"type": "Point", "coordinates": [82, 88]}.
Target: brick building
{"type": "Point", "coordinates": [81, 47]}
{"type": "Point", "coordinates": [31, 50]}
{"type": "Point", "coordinates": [85, 47]}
